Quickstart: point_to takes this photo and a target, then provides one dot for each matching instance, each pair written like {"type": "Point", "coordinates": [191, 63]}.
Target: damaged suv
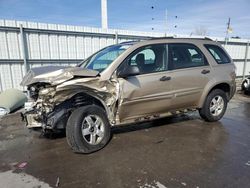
{"type": "Point", "coordinates": [130, 82]}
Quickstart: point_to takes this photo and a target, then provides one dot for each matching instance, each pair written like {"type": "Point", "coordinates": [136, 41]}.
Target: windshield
{"type": "Point", "coordinates": [102, 59]}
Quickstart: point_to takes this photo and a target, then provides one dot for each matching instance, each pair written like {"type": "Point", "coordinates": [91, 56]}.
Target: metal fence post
{"type": "Point", "coordinates": [116, 37]}
{"type": "Point", "coordinates": [24, 48]}
{"type": "Point", "coordinates": [226, 41]}
{"type": "Point", "coordinates": [245, 61]}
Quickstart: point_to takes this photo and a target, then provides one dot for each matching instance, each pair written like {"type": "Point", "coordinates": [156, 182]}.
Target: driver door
{"type": "Point", "coordinates": [149, 92]}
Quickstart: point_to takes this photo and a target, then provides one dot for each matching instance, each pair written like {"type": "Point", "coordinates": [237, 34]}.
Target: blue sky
{"type": "Point", "coordinates": [137, 14]}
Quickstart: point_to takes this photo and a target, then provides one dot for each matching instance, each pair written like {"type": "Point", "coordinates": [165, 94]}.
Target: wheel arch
{"type": "Point", "coordinates": [78, 98]}
{"type": "Point", "coordinates": [82, 99]}
{"type": "Point", "coordinates": [224, 86]}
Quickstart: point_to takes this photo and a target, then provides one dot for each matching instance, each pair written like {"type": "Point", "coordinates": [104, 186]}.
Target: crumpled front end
{"type": "Point", "coordinates": [104, 92]}
{"type": "Point", "coordinates": [39, 106]}
{"type": "Point", "coordinates": [52, 105]}
{"type": "Point", "coordinates": [55, 91]}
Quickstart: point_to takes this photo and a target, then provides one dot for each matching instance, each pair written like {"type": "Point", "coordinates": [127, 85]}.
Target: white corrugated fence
{"type": "Point", "coordinates": [39, 44]}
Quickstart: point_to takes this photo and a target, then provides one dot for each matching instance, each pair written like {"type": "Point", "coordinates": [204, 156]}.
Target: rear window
{"type": "Point", "coordinates": [185, 56]}
{"type": "Point", "coordinates": [218, 53]}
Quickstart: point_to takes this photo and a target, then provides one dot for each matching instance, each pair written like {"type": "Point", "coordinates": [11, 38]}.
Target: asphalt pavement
{"type": "Point", "coordinates": [180, 151]}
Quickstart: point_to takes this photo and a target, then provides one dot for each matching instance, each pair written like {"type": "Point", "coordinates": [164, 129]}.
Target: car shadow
{"type": "Point", "coordinates": [153, 123]}
{"type": "Point", "coordinates": [128, 127]}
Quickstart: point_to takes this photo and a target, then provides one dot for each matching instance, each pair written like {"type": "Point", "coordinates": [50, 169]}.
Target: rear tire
{"type": "Point", "coordinates": [88, 129]}
{"type": "Point", "coordinates": [215, 106]}
{"type": "Point", "coordinates": [245, 87]}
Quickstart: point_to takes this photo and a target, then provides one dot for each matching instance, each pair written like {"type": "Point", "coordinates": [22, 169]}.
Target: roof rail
{"type": "Point", "coordinates": [128, 42]}
{"type": "Point", "coordinates": [207, 38]}
{"type": "Point", "coordinates": [157, 38]}
{"type": "Point", "coordinates": [173, 37]}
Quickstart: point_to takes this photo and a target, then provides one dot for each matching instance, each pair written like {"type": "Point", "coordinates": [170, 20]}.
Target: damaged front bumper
{"type": "Point", "coordinates": [31, 116]}
{"type": "Point", "coordinates": [31, 119]}
{"type": "Point", "coordinates": [53, 104]}
{"type": "Point", "coordinates": [35, 118]}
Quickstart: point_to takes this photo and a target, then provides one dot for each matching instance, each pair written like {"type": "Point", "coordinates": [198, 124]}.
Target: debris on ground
{"type": "Point", "coordinates": [248, 163]}
{"type": "Point", "coordinates": [10, 100]}
{"type": "Point", "coordinates": [21, 165]}
{"type": "Point", "coordinates": [143, 172]}
{"type": "Point", "coordinates": [57, 182]}
{"type": "Point", "coordinates": [183, 183]}
{"type": "Point", "coordinates": [3, 111]}
{"type": "Point", "coordinates": [11, 136]}
{"type": "Point", "coordinates": [154, 184]}
{"type": "Point", "coordinates": [159, 141]}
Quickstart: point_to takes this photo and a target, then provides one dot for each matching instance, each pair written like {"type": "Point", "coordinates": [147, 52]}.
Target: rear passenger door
{"type": "Point", "coordinates": [189, 72]}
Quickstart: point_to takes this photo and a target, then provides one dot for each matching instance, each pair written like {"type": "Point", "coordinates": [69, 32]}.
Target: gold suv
{"type": "Point", "coordinates": [129, 82]}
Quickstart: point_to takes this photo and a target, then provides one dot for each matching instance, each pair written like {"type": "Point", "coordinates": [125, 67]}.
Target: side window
{"type": "Point", "coordinates": [218, 53]}
{"type": "Point", "coordinates": [149, 59]}
{"type": "Point", "coordinates": [148, 54]}
{"type": "Point", "coordinates": [185, 56]}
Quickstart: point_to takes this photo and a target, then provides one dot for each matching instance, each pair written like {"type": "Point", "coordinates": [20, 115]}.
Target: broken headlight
{"type": "Point", "coordinates": [33, 88]}
{"type": "Point", "coordinates": [47, 91]}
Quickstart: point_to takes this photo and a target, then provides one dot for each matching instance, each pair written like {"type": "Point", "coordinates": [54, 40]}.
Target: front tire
{"type": "Point", "coordinates": [88, 129]}
{"type": "Point", "coordinates": [215, 106]}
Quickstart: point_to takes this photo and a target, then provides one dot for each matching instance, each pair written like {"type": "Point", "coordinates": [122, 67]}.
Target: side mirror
{"type": "Point", "coordinates": [128, 71]}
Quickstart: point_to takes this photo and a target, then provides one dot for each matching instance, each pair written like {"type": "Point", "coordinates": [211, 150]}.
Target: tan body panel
{"type": "Point", "coordinates": [144, 96]}
{"type": "Point", "coordinates": [221, 75]}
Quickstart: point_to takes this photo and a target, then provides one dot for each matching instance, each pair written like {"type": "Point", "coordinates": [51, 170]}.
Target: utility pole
{"type": "Point", "coordinates": [229, 29]}
{"type": "Point", "coordinates": [104, 14]}
{"type": "Point", "coordinates": [166, 21]}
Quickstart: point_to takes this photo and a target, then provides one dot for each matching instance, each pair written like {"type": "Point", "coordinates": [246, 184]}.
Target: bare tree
{"type": "Point", "coordinates": [201, 31]}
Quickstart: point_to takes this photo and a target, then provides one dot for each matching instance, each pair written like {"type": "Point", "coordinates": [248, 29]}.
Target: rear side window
{"type": "Point", "coordinates": [218, 53]}
{"type": "Point", "coordinates": [185, 56]}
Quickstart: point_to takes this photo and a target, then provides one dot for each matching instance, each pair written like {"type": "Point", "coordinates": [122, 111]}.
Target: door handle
{"type": "Point", "coordinates": [205, 71]}
{"type": "Point", "coordinates": [165, 78]}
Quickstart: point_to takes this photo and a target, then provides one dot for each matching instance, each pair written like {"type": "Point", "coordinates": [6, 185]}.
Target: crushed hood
{"type": "Point", "coordinates": [55, 74]}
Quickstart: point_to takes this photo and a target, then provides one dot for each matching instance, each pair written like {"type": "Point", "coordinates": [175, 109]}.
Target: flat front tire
{"type": "Point", "coordinates": [88, 129]}
{"type": "Point", "coordinates": [215, 106]}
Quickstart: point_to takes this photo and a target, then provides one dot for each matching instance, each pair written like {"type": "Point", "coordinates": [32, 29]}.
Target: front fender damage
{"type": "Point", "coordinates": [52, 111]}
{"type": "Point", "coordinates": [106, 92]}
